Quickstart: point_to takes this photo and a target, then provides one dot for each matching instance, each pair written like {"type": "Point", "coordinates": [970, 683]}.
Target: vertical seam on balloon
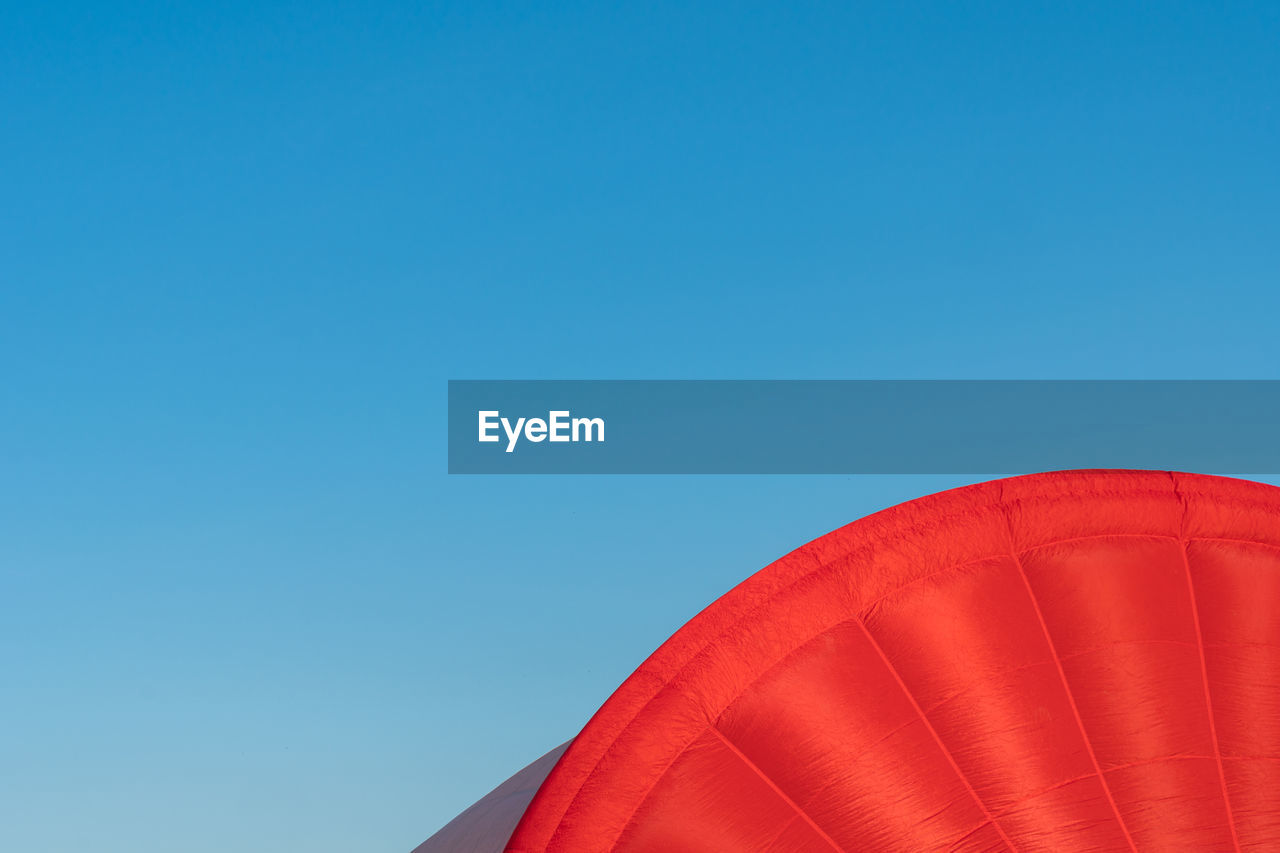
{"type": "Point", "coordinates": [1204, 666]}
{"type": "Point", "coordinates": [782, 830]}
{"type": "Point", "coordinates": [934, 732]}
{"type": "Point", "coordinates": [639, 802]}
{"type": "Point", "coordinates": [751, 765]}
{"type": "Point", "coordinates": [1062, 673]}
{"type": "Point", "coordinates": [667, 769]}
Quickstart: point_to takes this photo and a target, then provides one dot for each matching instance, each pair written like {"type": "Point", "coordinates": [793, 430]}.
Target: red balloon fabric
{"type": "Point", "coordinates": [1075, 661]}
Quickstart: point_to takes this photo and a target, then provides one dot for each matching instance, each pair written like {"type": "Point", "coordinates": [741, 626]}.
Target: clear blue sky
{"type": "Point", "coordinates": [243, 246]}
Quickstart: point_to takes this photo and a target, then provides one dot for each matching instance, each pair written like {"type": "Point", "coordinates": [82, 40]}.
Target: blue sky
{"type": "Point", "coordinates": [243, 246]}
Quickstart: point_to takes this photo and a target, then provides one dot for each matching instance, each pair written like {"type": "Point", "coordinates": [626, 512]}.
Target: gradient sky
{"type": "Point", "coordinates": [243, 246]}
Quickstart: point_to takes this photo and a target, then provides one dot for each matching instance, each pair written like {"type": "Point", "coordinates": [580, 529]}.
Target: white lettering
{"type": "Point", "coordinates": [513, 435]}
{"type": "Point", "coordinates": [559, 422]}
{"type": "Point", "coordinates": [558, 426]}
{"type": "Point", "coordinates": [588, 423]}
{"type": "Point", "coordinates": [486, 425]}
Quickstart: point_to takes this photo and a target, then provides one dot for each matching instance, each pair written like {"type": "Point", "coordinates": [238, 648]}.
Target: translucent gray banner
{"type": "Point", "coordinates": [861, 426]}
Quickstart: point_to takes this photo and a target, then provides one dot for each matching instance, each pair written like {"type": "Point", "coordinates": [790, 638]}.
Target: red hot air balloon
{"type": "Point", "coordinates": [1076, 661]}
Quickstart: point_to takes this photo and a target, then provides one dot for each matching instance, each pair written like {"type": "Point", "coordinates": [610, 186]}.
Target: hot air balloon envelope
{"type": "Point", "coordinates": [1073, 661]}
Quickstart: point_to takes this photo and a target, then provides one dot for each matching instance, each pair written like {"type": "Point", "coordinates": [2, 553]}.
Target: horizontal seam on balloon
{"type": "Point", "coordinates": [1084, 777]}
{"type": "Point", "coordinates": [1244, 644]}
{"type": "Point", "coordinates": [1049, 662]}
{"type": "Point", "coordinates": [956, 694]}
{"type": "Point", "coordinates": [1004, 554]}
{"type": "Point", "coordinates": [1272, 545]}
{"type": "Point", "coordinates": [1012, 807]}
{"type": "Point", "coordinates": [1068, 539]}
